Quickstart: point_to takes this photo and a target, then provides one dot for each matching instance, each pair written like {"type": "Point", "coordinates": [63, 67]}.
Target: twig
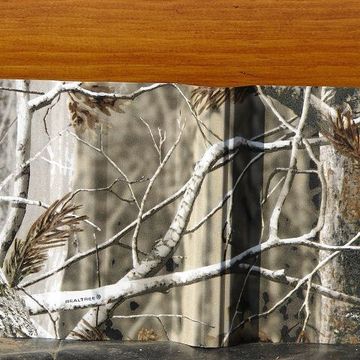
{"type": "Point", "coordinates": [135, 257]}
{"type": "Point", "coordinates": [269, 103]}
{"type": "Point", "coordinates": [111, 162]}
{"type": "Point", "coordinates": [48, 110]}
{"type": "Point", "coordinates": [199, 122]}
{"type": "Point", "coordinates": [162, 138]}
{"type": "Point", "coordinates": [275, 130]}
{"type": "Point", "coordinates": [274, 219]}
{"type": "Point", "coordinates": [98, 274]}
{"type": "Point", "coordinates": [300, 283]}
{"type": "Point", "coordinates": [4, 134]}
{"type": "Point", "coordinates": [109, 188]}
{"type": "Point", "coordinates": [276, 171]}
{"type": "Point", "coordinates": [20, 90]}
{"type": "Point", "coordinates": [236, 312]}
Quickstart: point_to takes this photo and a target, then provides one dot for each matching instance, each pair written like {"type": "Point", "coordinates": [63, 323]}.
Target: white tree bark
{"type": "Point", "coordinates": [21, 182]}
{"type": "Point", "coordinates": [340, 321]}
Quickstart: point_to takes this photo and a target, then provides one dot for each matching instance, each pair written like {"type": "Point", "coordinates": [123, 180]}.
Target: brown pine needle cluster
{"type": "Point", "coordinates": [204, 98]}
{"type": "Point", "coordinates": [85, 110]}
{"type": "Point", "coordinates": [343, 133]}
{"type": "Point", "coordinates": [52, 229]}
{"type": "Point", "coordinates": [88, 333]}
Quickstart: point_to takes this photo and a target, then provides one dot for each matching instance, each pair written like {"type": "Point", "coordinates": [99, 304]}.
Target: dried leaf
{"type": "Point", "coordinates": [343, 133]}
{"type": "Point", "coordinates": [84, 109]}
{"type": "Point", "coordinates": [52, 229]}
{"type": "Point", "coordinates": [204, 98]}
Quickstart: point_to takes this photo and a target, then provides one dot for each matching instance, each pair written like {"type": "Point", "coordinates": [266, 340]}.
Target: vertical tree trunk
{"type": "Point", "coordinates": [7, 141]}
{"type": "Point", "coordinates": [14, 316]}
{"type": "Point", "coordinates": [340, 321]}
{"type": "Point", "coordinates": [21, 182]}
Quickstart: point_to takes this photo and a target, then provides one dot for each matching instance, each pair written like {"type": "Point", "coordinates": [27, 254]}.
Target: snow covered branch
{"type": "Point", "coordinates": [69, 300]}
{"type": "Point", "coordinates": [46, 99]}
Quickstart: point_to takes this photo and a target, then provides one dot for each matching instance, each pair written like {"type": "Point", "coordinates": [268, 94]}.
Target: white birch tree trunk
{"type": "Point", "coordinates": [21, 182]}
{"type": "Point", "coordinates": [339, 320]}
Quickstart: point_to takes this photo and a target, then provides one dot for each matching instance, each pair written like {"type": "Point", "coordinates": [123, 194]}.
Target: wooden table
{"type": "Point", "coordinates": [216, 42]}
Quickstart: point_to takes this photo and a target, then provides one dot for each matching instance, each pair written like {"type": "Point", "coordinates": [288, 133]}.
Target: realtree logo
{"type": "Point", "coordinates": [83, 299]}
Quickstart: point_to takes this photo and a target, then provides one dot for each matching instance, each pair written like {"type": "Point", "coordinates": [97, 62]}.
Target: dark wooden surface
{"type": "Point", "coordinates": [216, 42]}
{"type": "Point", "coordinates": [38, 349]}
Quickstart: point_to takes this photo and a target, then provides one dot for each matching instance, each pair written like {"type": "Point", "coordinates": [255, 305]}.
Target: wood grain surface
{"type": "Point", "coordinates": [212, 42]}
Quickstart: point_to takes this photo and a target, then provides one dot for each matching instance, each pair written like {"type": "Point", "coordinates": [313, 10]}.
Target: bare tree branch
{"type": "Point", "coordinates": [147, 191]}
{"type": "Point", "coordinates": [274, 219]}
{"type": "Point", "coordinates": [68, 300]}
{"type": "Point", "coordinates": [46, 99]}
